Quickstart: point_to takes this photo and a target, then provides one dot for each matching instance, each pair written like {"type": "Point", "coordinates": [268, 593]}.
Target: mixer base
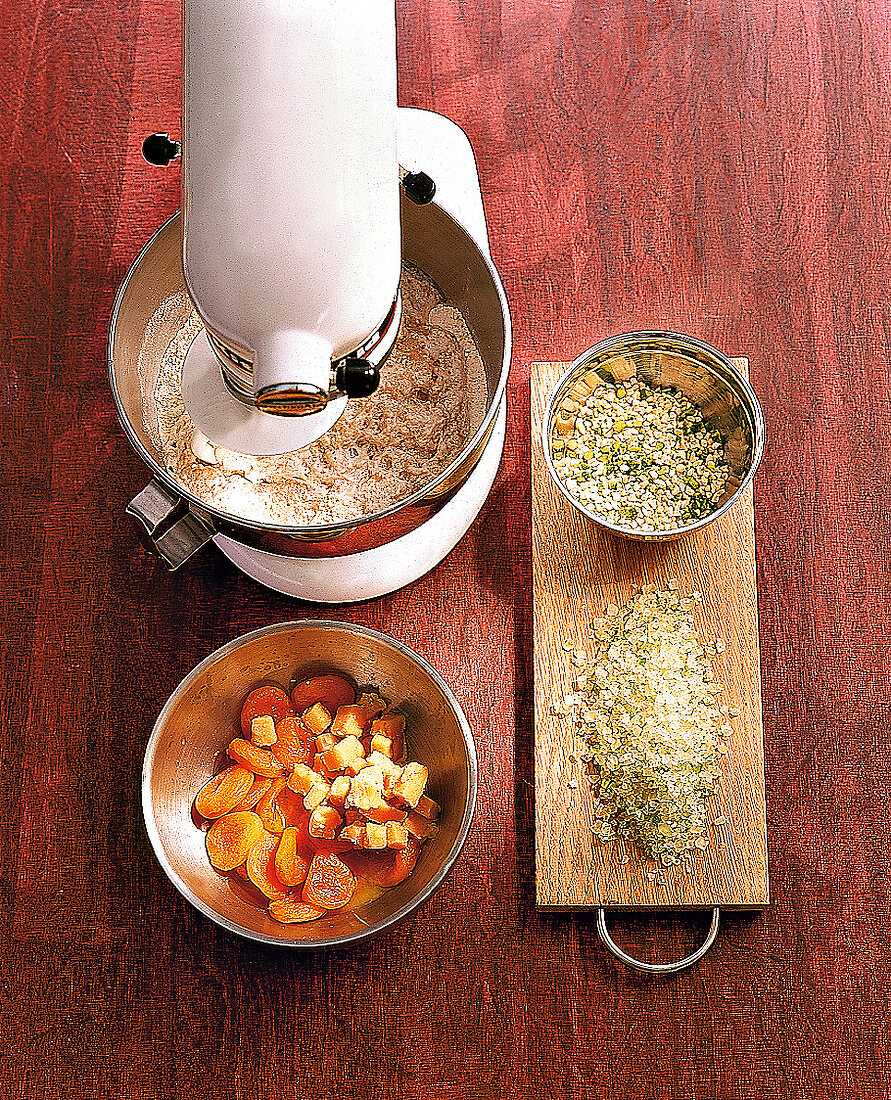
{"type": "Point", "coordinates": [373, 573]}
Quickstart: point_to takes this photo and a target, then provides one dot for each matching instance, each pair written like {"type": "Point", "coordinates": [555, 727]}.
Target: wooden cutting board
{"type": "Point", "coordinates": [577, 570]}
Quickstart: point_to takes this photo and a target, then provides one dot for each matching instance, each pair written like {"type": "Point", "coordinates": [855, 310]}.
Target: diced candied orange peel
{"type": "Point", "coordinates": [409, 788]}
{"type": "Point", "coordinates": [420, 827]}
{"type": "Point", "coordinates": [302, 779]}
{"type": "Point", "coordinates": [263, 731]}
{"type": "Point", "coordinates": [324, 823]}
{"type": "Point", "coordinates": [426, 807]}
{"type": "Point", "coordinates": [317, 719]}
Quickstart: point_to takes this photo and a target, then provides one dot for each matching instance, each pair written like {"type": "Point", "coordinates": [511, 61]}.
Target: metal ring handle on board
{"type": "Point", "coordinates": [657, 968]}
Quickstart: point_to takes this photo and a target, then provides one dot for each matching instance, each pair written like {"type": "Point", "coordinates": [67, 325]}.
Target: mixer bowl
{"type": "Point", "coordinates": [202, 715]}
{"type": "Point", "coordinates": [176, 520]}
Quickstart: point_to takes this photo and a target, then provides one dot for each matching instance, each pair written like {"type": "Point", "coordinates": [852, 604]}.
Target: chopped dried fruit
{"type": "Point", "coordinates": [223, 793]}
{"type": "Point", "coordinates": [260, 866]}
{"type": "Point", "coordinates": [426, 807]}
{"type": "Point", "coordinates": [324, 742]}
{"type": "Point", "coordinates": [264, 700]}
{"type": "Point", "coordinates": [283, 824]}
{"type": "Point", "coordinates": [407, 790]}
{"type": "Point", "coordinates": [386, 868]}
{"type": "Point", "coordinates": [302, 779]}
{"type": "Point", "coordinates": [268, 810]}
{"type": "Point", "coordinates": [389, 727]}
{"type": "Point", "coordinates": [378, 745]}
{"type": "Point", "coordinates": [354, 834]}
{"type": "Point", "coordinates": [293, 910]}
{"type": "Point", "coordinates": [331, 691]}
{"type": "Point", "coordinates": [292, 743]}
{"type": "Point", "coordinates": [342, 753]}
{"type": "Point", "coordinates": [329, 883]}
{"type": "Point", "coordinates": [349, 722]}
{"type": "Point", "coordinates": [263, 731]}
{"type": "Point", "coordinates": [340, 788]}
{"type": "Point", "coordinates": [420, 827]}
{"type": "Point", "coordinates": [397, 835]}
{"type": "Point", "coordinates": [259, 787]}
{"type": "Point", "coordinates": [375, 836]}
{"type": "Point", "coordinates": [317, 719]}
{"type": "Point", "coordinates": [259, 761]}
{"type": "Point", "coordinates": [324, 823]}
{"type": "Point", "coordinates": [291, 806]}
{"type": "Point", "coordinates": [230, 839]}
{"type": "Point", "coordinates": [290, 865]}
{"type": "Point", "coordinates": [383, 812]}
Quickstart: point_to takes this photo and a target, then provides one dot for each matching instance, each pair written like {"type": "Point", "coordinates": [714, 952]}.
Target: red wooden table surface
{"type": "Point", "coordinates": [716, 168]}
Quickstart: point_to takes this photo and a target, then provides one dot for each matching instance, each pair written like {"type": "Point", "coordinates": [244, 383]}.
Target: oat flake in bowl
{"type": "Point", "coordinates": [431, 400]}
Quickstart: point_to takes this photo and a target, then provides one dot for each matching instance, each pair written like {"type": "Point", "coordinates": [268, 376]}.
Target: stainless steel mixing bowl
{"type": "Point", "coordinates": [202, 716]}
{"type": "Point", "coordinates": [668, 360]}
{"type": "Point", "coordinates": [177, 522]}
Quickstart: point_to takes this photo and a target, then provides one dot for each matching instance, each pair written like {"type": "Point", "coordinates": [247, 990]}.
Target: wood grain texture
{"type": "Point", "coordinates": [577, 571]}
{"type": "Point", "coordinates": [717, 168]}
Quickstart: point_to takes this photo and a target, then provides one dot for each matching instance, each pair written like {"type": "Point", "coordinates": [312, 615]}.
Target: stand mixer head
{"type": "Point", "coordinates": [291, 223]}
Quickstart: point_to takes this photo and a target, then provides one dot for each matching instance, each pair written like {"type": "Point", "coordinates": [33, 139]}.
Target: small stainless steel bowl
{"type": "Point", "coordinates": [202, 716]}
{"type": "Point", "coordinates": [667, 360]}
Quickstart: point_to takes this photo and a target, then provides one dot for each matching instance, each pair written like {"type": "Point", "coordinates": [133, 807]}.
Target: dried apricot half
{"type": "Point", "coordinates": [329, 882]}
{"type": "Point", "coordinates": [260, 866]}
{"type": "Point", "coordinates": [291, 909]}
{"type": "Point", "coordinates": [331, 691]}
{"type": "Point", "coordinates": [222, 794]}
{"type": "Point", "coordinates": [259, 761]}
{"type": "Point", "coordinates": [290, 866]}
{"type": "Point", "coordinates": [293, 742]}
{"type": "Point", "coordinates": [230, 839]}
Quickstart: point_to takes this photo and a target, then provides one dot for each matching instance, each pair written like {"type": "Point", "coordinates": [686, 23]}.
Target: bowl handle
{"type": "Point", "coordinates": [175, 532]}
{"type": "Point", "coordinates": [657, 968]}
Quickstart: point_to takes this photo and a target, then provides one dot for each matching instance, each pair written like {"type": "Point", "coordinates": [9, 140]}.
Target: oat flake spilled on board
{"type": "Point", "coordinates": [655, 733]}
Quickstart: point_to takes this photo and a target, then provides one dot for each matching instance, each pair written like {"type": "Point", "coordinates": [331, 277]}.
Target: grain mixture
{"type": "Point", "coordinates": [432, 398]}
{"type": "Point", "coordinates": [642, 458]}
{"type": "Point", "coordinates": [654, 730]}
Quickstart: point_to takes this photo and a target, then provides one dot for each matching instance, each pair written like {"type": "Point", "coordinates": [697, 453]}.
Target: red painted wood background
{"type": "Point", "coordinates": [719, 168]}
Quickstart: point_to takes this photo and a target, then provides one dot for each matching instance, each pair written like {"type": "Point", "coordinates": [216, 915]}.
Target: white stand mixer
{"type": "Point", "coordinates": [293, 150]}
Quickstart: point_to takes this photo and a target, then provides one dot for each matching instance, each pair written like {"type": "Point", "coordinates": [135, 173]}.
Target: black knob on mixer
{"type": "Point", "coordinates": [160, 149]}
{"type": "Point", "coordinates": [419, 187]}
{"type": "Point", "coordinates": [357, 377]}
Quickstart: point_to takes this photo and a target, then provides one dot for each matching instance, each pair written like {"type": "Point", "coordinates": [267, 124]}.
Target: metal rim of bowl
{"type": "Point", "coordinates": [622, 345]}
{"type": "Point", "coordinates": [321, 531]}
{"type": "Point", "coordinates": [410, 906]}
